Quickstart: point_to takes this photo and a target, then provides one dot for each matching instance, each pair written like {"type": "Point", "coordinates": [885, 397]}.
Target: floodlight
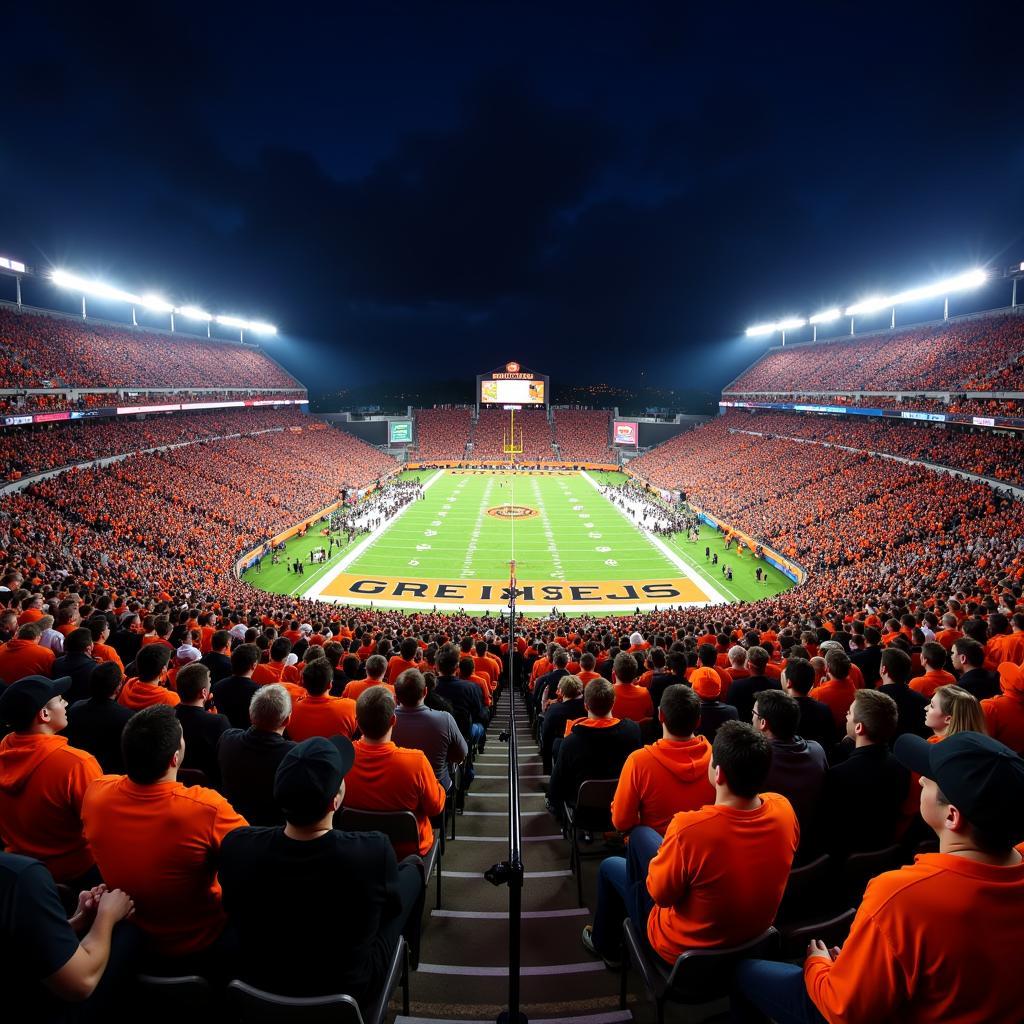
{"type": "Point", "coordinates": [826, 316]}
{"type": "Point", "coordinates": [16, 265]}
{"type": "Point", "coordinates": [871, 305]}
{"type": "Point", "coordinates": [97, 288]}
{"type": "Point", "coordinates": [760, 330]}
{"type": "Point", "coordinates": [969, 279]}
{"type": "Point", "coordinates": [246, 325]}
{"type": "Point", "coordinates": [156, 303]}
{"type": "Point", "coordinates": [193, 313]}
{"type": "Point", "coordinates": [232, 321]}
{"type": "Point", "coordinates": [790, 324]}
{"type": "Point", "coordinates": [261, 328]}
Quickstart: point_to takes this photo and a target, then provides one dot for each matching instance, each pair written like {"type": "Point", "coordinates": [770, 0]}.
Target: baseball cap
{"type": "Point", "coordinates": [20, 702]}
{"type": "Point", "coordinates": [187, 653]}
{"type": "Point", "coordinates": [635, 639]}
{"type": "Point", "coordinates": [309, 776]}
{"type": "Point", "coordinates": [706, 683]}
{"type": "Point", "coordinates": [978, 775]}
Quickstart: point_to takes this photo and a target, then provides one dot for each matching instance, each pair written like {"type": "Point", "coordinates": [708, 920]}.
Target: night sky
{"type": "Point", "coordinates": [604, 192]}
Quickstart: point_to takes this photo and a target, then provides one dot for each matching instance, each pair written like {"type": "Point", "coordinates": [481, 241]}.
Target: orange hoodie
{"type": "Point", "coordinates": [136, 694]}
{"type": "Point", "coordinates": [660, 780]}
{"type": "Point", "coordinates": [42, 785]}
{"type": "Point", "coordinates": [1004, 715]}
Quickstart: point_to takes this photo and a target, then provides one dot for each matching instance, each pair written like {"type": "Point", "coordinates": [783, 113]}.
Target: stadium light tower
{"type": "Point", "coordinates": [15, 268]}
{"type": "Point", "coordinates": [962, 282]}
{"type": "Point", "coordinates": [826, 316]}
{"type": "Point", "coordinates": [791, 323]}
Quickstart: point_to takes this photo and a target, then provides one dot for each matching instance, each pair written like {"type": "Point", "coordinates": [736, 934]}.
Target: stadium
{"type": "Point", "coordinates": [479, 701]}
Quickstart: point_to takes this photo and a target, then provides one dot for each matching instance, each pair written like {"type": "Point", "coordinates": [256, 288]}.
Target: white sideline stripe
{"type": "Point", "coordinates": [706, 586]}
{"type": "Point", "coordinates": [504, 839]}
{"type": "Point", "coordinates": [502, 915]}
{"type": "Point", "coordinates": [590, 967]}
{"type": "Point", "coordinates": [526, 874]}
{"type": "Point", "coordinates": [317, 589]}
{"type": "Point", "coordinates": [611, 1017]}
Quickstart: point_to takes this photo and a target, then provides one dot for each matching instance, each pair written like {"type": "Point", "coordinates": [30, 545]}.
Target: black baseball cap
{"type": "Point", "coordinates": [309, 776]}
{"type": "Point", "coordinates": [981, 777]}
{"type": "Point", "coordinates": [20, 702]}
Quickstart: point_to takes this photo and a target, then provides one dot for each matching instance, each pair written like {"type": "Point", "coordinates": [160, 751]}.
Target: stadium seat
{"type": "Point", "coordinates": [592, 813]}
{"type": "Point", "coordinates": [859, 868]}
{"type": "Point", "coordinates": [170, 998]}
{"type": "Point", "coordinates": [193, 777]}
{"type": "Point", "coordinates": [831, 930]}
{"type": "Point", "coordinates": [698, 976]}
{"type": "Point", "coordinates": [807, 891]}
{"type": "Point", "coordinates": [254, 1006]}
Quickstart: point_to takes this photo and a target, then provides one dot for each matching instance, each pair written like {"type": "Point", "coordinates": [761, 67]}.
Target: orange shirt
{"type": "Point", "coordinates": [30, 615]}
{"type": "Point", "coordinates": [104, 652]}
{"type": "Point", "coordinates": [481, 682]}
{"type": "Point", "coordinates": [660, 780]}
{"type": "Point", "coordinates": [386, 777]}
{"type": "Point", "coordinates": [20, 658]}
{"type": "Point", "coordinates": [838, 694]}
{"type": "Point", "coordinates": [136, 694]}
{"type": "Point", "coordinates": [929, 944]}
{"type": "Point", "coordinates": [1004, 718]}
{"type": "Point", "coordinates": [586, 677]}
{"type": "Point", "coordinates": [356, 687]}
{"type": "Point", "coordinates": [396, 666]}
{"type": "Point", "coordinates": [719, 875]}
{"type": "Point", "coordinates": [159, 843]}
{"type": "Point", "coordinates": [1007, 647]}
{"type": "Point", "coordinates": [632, 701]}
{"type": "Point", "coordinates": [206, 638]}
{"type": "Point", "coordinates": [322, 716]}
{"type": "Point", "coordinates": [275, 672]}
{"type": "Point", "coordinates": [590, 723]}
{"type": "Point", "coordinates": [931, 681]}
{"type": "Point", "coordinates": [42, 784]}
{"type": "Point", "coordinates": [948, 637]}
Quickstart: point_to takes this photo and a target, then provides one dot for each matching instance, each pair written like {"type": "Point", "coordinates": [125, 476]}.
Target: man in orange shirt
{"type": "Point", "coordinates": [631, 701]}
{"type": "Point", "coordinates": [23, 656]}
{"type": "Point", "coordinates": [1004, 715]}
{"type": "Point", "coordinates": [406, 658]}
{"type": "Point", "coordinates": [386, 777]}
{"type": "Point", "coordinates": [836, 689]}
{"type": "Point", "coordinates": [468, 674]}
{"type": "Point", "coordinates": [320, 714]}
{"type": "Point", "coordinates": [158, 839]}
{"type": "Point", "coordinates": [277, 669]}
{"type": "Point", "coordinates": [717, 877]}
{"type": "Point", "coordinates": [31, 609]}
{"type": "Point", "coordinates": [147, 686]}
{"type": "Point", "coordinates": [101, 650]}
{"type": "Point", "coordinates": [933, 655]}
{"type": "Point", "coordinates": [43, 781]}
{"type": "Point", "coordinates": [376, 669]}
{"type": "Point", "coordinates": [930, 941]}
{"type": "Point", "coordinates": [668, 776]}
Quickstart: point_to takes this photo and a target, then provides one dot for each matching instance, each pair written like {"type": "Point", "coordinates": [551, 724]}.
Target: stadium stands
{"type": "Point", "coordinates": [491, 430]}
{"type": "Point", "coordinates": [39, 351]}
{"type": "Point", "coordinates": [982, 353]}
{"type": "Point", "coordinates": [582, 435]}
{"type": "Point", "coordinates": [442, 433]}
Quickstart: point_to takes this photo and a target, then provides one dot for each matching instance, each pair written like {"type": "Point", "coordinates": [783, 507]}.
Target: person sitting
{"type": "Point", "coordinates": [43, 782]}
{"type": "Point", "coordinates": [217, 659]}
{"type": "Point", "coordinates": [933, 658]}
{"type": "Point", "coordinates": [969, 660]}
{"type": "Point", "coordinates": [894, 671]}
{"type": "Point", "coordinates": [667, 776]}
{"type": "Point", "coordinates": [247, 759]}
{"type": "Point", "coordinates": [348, 888]}
{"type": "Point", "coordinates": [386, 777]}
{"type": "Point", "coordinates": [433, 732]}
{"type": "Point", "coordinates": [25, 656]}
{"type": "Point", "coordinates": [147, 686]}
{"type": "Point", "coordinates": [864, 795]}
{"type": "Point", "coordinates": [96, 724]}
{"type": "Point", "coordinates": [816, 722]}
{"type": "Point", "coordinates": [798, 766]}
{"type": "Point", "coordinates": [467, 673]}
{"type": "Point", "coordinates": [405, 659]}
{"type": "Point", "coordinates": [376, 668]}
{"type": "Point", "coordinates": [320, 714]}
{"type": "Point", "coordinates": [232, 694]}
{"type": "Point", "coordinates": [201, 728]}
{"type": "Point", "coordinates": [631, 701]}
{"type": "Point", "coordinates": [741, 693]}
{"type": "Point", "coordinates": [464, 697]}
{"type": "Point", "coordinates": [47, 972]}
{"type": "Point", "coordinates": [717, 877]}
{"type": "Point", "coordinates": [568, 708]}
{"type": "Point", "coordinates": [953, 709]}
{"type": "Point", "coordinates": [929, 940]}
{"type": "Point", "coordinates": [157, 839]}
{"type": "Point", "coordinates": [1004, 715]}
{"type": "Point", "coordinates": [595, 747]}
{"type": "Point", "coordinates": [277, 668]}
{"type": "Point", "coordinates": [77, 663]}
{"type": "Point", "coordinates": [837, 689]}
{"type": "Point", "coordinates": [706, 684]}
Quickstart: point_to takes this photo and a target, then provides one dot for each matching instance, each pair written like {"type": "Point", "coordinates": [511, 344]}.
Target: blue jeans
{"type": "Point", "coordinates": [477, 732]}
{"type": "Point", "coordinates": [622, 891]}
{"type": "Point", "coordinates": [764, 990]}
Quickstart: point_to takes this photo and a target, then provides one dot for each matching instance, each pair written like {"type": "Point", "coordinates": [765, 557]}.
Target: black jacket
{"type": "Point", "coordinates": [247, 760]}
{"type": "Point", "coordinates": [202, 731]}
{"type": "Point", "coordinates": [553, 725]}
{"type": "Point", "coordinates": [910, 707]}
{"type": "Point", "coordinates": [660, 682]}
{"type": "Point", "coordinates": [463, 696]}
{"type": "Point", "coordinates": [548, 681]}
{"type": "Point", "coordinates": [868, 661]}
{"type": "Point", "coordinates": [863, 801]}
{"type": "Point", "coordinates": [712, 714]}
{"type": "Point", "coordinates": [741, 693]}
{"type": "Point", "coordinates": [80, 667]}
{"type": "Point", "coordinates": [817, 723]}
{"type": "Point", "coordinates": [589, 753]}
{"type": "Point", "coordinates": [231, 697]}
{"type": "Point", "coordinates": [96, 725]}
{"type": "Point", "coordinates": [218, 664]}
{"type": "Point", "coordinates": [978, 681]}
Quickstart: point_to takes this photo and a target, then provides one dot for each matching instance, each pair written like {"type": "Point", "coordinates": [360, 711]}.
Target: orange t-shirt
{"type": "Point", "coordinates": [20, 658]}
{"type": "Point", "coordinates": [931, 681]}
{"type": "Point", "coordinates": [356, 687]}
{"type": "Point", "coordinates": [585, 677]}
{"type": "Point", "coordinates": [660, 780]}
{"type": "Point", "coordinates": [838, 694]}
{"type": "Point", "coordinates": [719, 875]}
{"type": "Point", "coordinates": [396, 666]}
{"type": "Point", "coordinates": [275, 672]}
{"type": "Point", "coordinates": [632, 701]}
{"type": "Point", "coordinates": [104, 652]}
{"type": "Point", "coordinates": [322, 716]}
{"type": "Point", "coordinates": [159, 843]}
{"type": "Point", "coordinates": [136, 694]}
{"type": "Point", "coordinates": [1004, 718]}
{"type": "Point", "coordinates": [916, 953]}
{"type": "Point", "coordinates": [42, 784]}
{"type": "Point", "coordinates": [386, 777]}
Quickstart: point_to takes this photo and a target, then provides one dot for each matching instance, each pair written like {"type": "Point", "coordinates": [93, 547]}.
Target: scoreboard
{"type": "Point", "coordinates": [511, 385]}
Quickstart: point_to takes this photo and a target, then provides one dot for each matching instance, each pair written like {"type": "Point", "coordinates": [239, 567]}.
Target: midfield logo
{"type": "Point", "coordinates": [512, 512]}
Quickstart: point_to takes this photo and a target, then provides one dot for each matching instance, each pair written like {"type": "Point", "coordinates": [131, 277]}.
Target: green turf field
{"type": "Point", "coordinates": [576, 535]}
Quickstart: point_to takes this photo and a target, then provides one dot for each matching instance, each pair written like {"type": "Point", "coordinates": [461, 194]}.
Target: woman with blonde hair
{"type": "Point", "coordinates": [953, 709]}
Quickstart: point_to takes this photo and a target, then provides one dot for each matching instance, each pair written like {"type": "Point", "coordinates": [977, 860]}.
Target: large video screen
{"type": "Point", "coordinates": [627, 432]}
{"type": "Point", "coordinates": [512, 392]}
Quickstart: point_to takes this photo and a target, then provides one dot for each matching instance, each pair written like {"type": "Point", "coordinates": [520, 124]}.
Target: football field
{"type": "Point", "coordinates": [573, 549]}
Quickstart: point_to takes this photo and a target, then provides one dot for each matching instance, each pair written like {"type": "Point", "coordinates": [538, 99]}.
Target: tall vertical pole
{"type": "Point", "coordinates": [945, 308]}
{"type": "Point", "coordinates": [851, 325]}
{"type": "Point", "coordinates": [1013, 298]}
{"type": "Point", "coordinates": [892, 319]}
{"type": "Point", "coordinates": [83, 307]}
{"type": "Point", "coordinates": [17, 288]}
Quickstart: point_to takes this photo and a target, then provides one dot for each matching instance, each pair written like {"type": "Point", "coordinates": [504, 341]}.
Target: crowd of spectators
{"type": "Point", "coordinates": [532, 432]}
{"type": "Point", "coordinates": [49, 446]}
{"type": "Point", "coordinates": [442, 434]}
{"type": "Point", "coordinates": [957, 404]}
{"type": "Point", "coordinates": [49, 351]}
{"type": "Point", "coordinates": [980, 354]}
{"type": "Point", "coordinates": [57, 401]}
{"type": "Point", "coordinates": [582, 435]}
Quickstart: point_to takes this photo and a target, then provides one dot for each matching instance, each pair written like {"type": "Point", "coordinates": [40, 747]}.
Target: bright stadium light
{"type": "Point", "coordinates": [261, 328]}
{"type": "Point", "coordinates": [826, 316]}
{"type": "Point", "coordinates": [156, 303]}
{"type": "Point", "coordinates": [962, 282]}
{"type": "Point", "coordinates": [759, 330]}
{"type": "Point", "coordinates": [789, 323]}
{"type": "Point", "coordinates": [872, 305]}
{"type": "Point", "coordinates": [95, 288]}
{"type": "Point", "coordinates": [8, 264]}
{"type": "Point", "coordinates": [194, 313]}
{"type": "Point", "coordinates": [246, 325]}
